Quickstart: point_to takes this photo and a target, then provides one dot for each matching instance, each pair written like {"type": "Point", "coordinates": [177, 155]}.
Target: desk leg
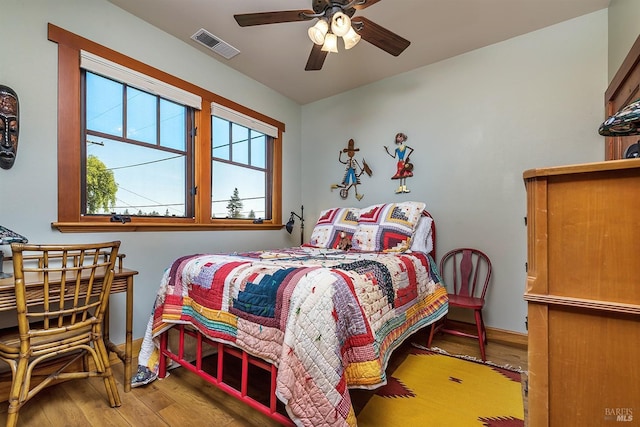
{"type": "Point", "coordinates": [127, 355]}
{"type": "Point", "coordinates": [128, 349]}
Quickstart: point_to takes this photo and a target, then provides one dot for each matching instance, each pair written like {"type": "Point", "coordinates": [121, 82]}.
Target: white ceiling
{"type": "Point", "coordinates": [276, 54]}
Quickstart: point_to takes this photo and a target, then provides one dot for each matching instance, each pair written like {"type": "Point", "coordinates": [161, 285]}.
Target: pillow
{"type": "Point", "coordinates": [422, 239]}
{"type": "Point", "coordinates": [387, 227]}
{"type": "Point", "coordinates": [326, 233]}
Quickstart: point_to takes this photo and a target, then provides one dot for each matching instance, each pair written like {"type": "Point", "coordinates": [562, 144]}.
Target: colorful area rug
{"type": "Point", "coordinates": [438, 390]}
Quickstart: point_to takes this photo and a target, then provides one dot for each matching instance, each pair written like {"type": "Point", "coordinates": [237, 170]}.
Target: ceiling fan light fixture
{"type": "Point", "coordinates": [318, 31]}
{"type": "Point", "coordinates": [340, 24]}
{"type": "Point", "coordinates": [328, 20]}
{"type": "Point", "coordinates": [351, 39]}
{"type": "Point", "coordinates": [330, 43]}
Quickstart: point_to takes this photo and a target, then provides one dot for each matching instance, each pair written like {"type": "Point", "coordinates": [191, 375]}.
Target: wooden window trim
{"type": "Point", "coordinates": [69, 155]}
{"type": "Point", "coordinates": [623, 89]}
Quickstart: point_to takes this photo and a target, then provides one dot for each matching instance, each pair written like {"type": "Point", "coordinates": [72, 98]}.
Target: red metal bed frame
{"type": "Point", "coordinates": [218, 378]}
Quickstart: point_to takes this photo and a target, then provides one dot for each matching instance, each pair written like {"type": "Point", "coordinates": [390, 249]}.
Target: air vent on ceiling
{"type": "Point", "coordinates": [214, 43]}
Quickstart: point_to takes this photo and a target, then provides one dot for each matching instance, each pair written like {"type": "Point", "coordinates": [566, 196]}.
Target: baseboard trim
{"type": "Point", "coordinates": [511, 338]}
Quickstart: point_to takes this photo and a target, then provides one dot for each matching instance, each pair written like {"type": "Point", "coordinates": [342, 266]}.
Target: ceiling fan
{"type": "Point", "coordinates": [335, 19]}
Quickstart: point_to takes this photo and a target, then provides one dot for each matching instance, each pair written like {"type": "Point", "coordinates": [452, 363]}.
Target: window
{"type": "Point", "coordinates": [138, 152]}
{"type": "Point", "coordinates": [240, 171]}
{"type": "Point", "coordinates": [139, 149]}
{"type": "Point", "coordinates": [241, 155]}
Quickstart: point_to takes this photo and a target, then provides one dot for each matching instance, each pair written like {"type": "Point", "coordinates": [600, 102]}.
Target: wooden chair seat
{"type": "Point", "coordinates": [10, 339]}
{"type": "Point", "coordinates": [465, 301]}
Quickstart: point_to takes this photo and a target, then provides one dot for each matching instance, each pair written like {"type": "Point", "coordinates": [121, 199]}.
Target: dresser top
{"type": "Point", "coordinates": [609, 165]}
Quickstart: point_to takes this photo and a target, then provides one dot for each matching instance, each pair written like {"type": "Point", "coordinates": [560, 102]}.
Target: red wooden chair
{"type": "Point", "coordinates": [468, 272]}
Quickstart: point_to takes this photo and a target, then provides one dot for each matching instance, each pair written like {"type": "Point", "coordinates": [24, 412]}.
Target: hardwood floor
{"type": "Point", "coordinates": [183, 399]}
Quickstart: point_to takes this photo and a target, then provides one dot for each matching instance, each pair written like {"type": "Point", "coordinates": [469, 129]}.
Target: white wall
{"type": "Point", "coordinates": [624, 27]}
{"type": "Point", "coordinates": [28, 191]}
{"type": "Point", "coordinates": [476, 122]}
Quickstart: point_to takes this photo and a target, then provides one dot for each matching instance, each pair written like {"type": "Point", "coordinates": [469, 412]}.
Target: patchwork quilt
{"type": "Point", "coordinates": [328, 319]}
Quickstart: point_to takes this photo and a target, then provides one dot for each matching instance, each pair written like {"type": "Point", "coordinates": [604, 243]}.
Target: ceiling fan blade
{"type": "Point", "coordinates": [379, 36]}
{"type": "Point", "coordinates": [365, 5]}
{"type": "Point", "coordinates": [316, 58]}
{"type": "Point", "coordinates": [261, 18]}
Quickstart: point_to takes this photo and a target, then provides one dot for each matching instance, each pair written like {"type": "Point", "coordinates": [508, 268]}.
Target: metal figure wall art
{"type": "Point", "coordinates": [9, 117]}
{"type": "Point", "coordinates": [404, 168]}
{"type": "Point", "coordinates": [352, 173]}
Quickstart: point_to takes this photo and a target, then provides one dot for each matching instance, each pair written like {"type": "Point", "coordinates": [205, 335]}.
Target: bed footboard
{"type": "Point", "coordinates": [222, 353]}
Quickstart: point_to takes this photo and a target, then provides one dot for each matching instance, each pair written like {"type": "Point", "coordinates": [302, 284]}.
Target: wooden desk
{"type": "Point", "coordinates": [122, 282]}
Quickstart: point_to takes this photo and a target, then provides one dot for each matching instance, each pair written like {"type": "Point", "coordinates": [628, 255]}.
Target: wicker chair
{"type": "Point", "coordinates": [62, 292]}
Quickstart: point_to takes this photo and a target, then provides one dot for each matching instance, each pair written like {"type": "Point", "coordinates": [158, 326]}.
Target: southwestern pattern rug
{"type": "Point", "coordinates": [434, 389]}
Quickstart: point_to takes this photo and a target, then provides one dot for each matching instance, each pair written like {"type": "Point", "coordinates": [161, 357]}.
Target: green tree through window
{"type": "Point", "coordinates": [101, 186]}
{"type": "Point", "coordinates": [234, 207]}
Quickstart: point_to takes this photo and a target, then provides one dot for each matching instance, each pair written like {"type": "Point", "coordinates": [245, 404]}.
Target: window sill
{"type": "Point", "coordinates": [109, 227]}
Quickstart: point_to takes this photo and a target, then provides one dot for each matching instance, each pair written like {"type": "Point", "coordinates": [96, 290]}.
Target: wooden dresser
{"type": "Point", "coordinates": [583, 294]}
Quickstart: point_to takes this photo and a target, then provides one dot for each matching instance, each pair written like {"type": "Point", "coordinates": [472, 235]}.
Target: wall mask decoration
{"type": "Point", "coordinates": [404, 167]}
{"type": "Point", "coordinates": [352, 173]}
{"type": "Point", "coordinates": [9, 118]}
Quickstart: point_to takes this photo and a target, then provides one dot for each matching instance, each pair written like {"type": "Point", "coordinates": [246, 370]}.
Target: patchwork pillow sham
{"type": "Point", "coordinates": [332, 222]}
{"type": "Point", "coordinates": [387, 227]}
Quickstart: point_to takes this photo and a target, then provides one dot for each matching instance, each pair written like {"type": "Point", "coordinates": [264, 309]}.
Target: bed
{"type": "Point", "coordinates": [320, 320]}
